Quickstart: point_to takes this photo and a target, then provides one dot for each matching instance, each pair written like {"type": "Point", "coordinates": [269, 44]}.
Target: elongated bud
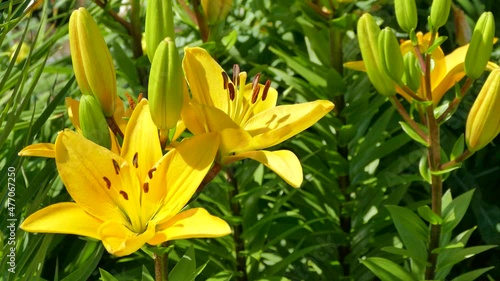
{"type": "Point", "coordinates": [440, 10]}
{"type": "Point", "coordinates": [463, 32]}
{"type": "Point", "coordinates": [480, 47]}
{"type": "Point", "coordinates": [92, 61]}
{"type": "Point", "coordinates": [406, 14]}
{"type": "Point", "coordinates": [216, 10]}
{"type": "Point", "coordinates": [413, 72]}
{"type": "Point", "coordinates": [368, 32]}
{"type": "Point", "coordinates": [483, 122]}
{"type": "Point", "coordinates": [159, 24]}
{"type": "Point", "coordinates": [92, 121]}
{"type": "Point", "coordinates": [166, 86]}
{"type": "Point", "coordinates": [391, 58]}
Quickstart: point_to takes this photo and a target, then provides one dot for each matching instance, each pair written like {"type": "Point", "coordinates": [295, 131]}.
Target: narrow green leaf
{"type": "Point", "coordinates": [423, 168]}
{"type": "Point", "coordinates": [387, 270]}
{"type": "Point", "coordinates": [146, 276]}
{"type": "Point", "coordinates": [185, 269]}
{"type": "Point", "coordinates": [461, 255]}
{"type": "Point", "coordinates": [455, 211]}
{"type": "Point", "coordinates": [412, 134]}
{"type": "Point", "coordinates": [106, 276]}
{"type": "Point", "coordinates": [472, 275]}
{"type": "Point", "coordinates": [427, 214]}
{"type": "Point", "coordinates": [436, 44]}
{"type": "Point", "coordinates": [84, 272]}
{"type": "Point", "coordinates": [458, 148]}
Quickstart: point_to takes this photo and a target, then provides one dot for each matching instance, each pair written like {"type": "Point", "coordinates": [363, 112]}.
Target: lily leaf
{"type": "Point", "coordinates": [387, 270]}
{"type": "Point", "coordinates": [472, 275]}
{"type": "Point", "coordinates": [410, 132]}
{"type": "Point", "coordinates": [427, 214]}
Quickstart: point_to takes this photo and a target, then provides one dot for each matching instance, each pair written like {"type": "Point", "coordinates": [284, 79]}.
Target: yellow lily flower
{"type": "Point", "coordinates": [245, 115]}
{"type": "Point", "coordinates": [133, 198]}
{"type": "Point", "coordinates": [446, 70]}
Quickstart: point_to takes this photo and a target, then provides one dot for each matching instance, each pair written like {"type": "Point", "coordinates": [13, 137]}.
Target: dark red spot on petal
{"type": "Point", "coordinates": [108, 182]}
{"type": "Point", "coordinates": [116, 166]}
{"type": "Point", "coordinates": [135, 160]}
{"type": "Point", "coordinates": [145, 187]}
{"type": "Point", "coordinates": [150, 173]}
{"type": "Point", "coordinates": [124, 194]}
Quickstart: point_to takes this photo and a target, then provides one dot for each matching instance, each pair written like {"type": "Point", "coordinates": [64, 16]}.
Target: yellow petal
{"type": "Point", "coordinates": [64, 218]}
{"type": "Point", "coordinates": [181, 175]}
{"type": "Point", "coordinates": [119, 114]}
{"type": "Point", "coordinates": [73, 113]}
{"type": "Point", "coordinates": [193, 223]}
{"type": "Point", "coordinates": [204, 76]}
{"type": "Point", "coordinates": [356, 65]}
{"type": "Point", "coordinates": [280, 123]}
{"type": "Point", "coordinates": [283, 162]}
{"type": "Point", "coordinates": [121, 241]}
{"type": "Point", "coordinates": [261, 105]}
{"type": "Point", "coordinates": [234, 140]}
{"type": "Point", "coordinates": [454, 73]}
{"type": "Point", "coordinates": [97, 179]}
{"type": "Point", "coordinates": [39, 150]}
{"type": "Point", "coordinates": [141, 146]}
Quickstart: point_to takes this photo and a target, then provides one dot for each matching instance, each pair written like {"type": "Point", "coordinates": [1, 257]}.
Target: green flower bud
{"type": "Point", "coordinates": [483, 122]}
{"type": "Point", "coordinates": [166, 86]}
{"type": "Point", "coordinates": [159, 24]}
{"type": "Point", "coordinates": [413, 72]}
{"type": "Point", "coordinates": [440, 10]}
{"type": "Point", "coordinates": [391, 58]}
{"type": "Point", "coordinates": [368, 32]}
{"type": "Point", "coordinates": [481, 45]}
{"type": "Point", "coordinates": [216, 10]}
{"type": "Point", "coordinates": [406, 14]}
{"type": "Point", "coordinates": [92, 121]}
{"type": "Point", "coordinates": [92, 63]}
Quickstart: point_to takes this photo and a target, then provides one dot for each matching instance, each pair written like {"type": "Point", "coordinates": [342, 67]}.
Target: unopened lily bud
{"type": "Point", "coordinates": [159, 24]}
{"type": "Point", "coordinates": [413, 72]}
{"type": "Point", "coordinates": [166, 86]}
{"type": "Point", "coordinates": [92, 61]}
{"type": "Point", "coordinates": [92, 121]}
{"type": "Point", "coordinates": [440, 10]}
{"type": "Point", "coordinates": [391, 58]}
{"type": "Point", "coordinates": [406, 14]}
{"type": "Point", "coordinates": [368, 32]}
{"type": "Point", "coordinates": [480, 47]}
{"type": "Point", "coordinates": [463, 32]}
{"type": "Point", "coordinates": [216, 10]}
{"type": "Point", "coordinates": [483, 122]}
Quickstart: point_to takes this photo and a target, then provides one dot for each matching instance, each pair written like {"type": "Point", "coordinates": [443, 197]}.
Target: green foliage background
{"type": "Point", "coordinates": [356, 160]}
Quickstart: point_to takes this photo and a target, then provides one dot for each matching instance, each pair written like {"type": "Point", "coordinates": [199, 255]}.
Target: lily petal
{"type": "Point", "coordinates": [261, 105]}
{"type": "Point", "coordinates": [39, 150]}
{"type": "Point", "coordinates": [65, 218]}
{"type": "Point", "coordinates": [280, 123]}
{"type": "Point", "coordinates": [180, 175]}
{"type": "Point", "coordinates": [204, 76]}
{"type": "Point", "coordinates": [121, 241]}
{"type": "Point", "coordinates": [283, 162]}
{"type": "Point", "coordinates": [193, 223]}
{"type": "Point", "coordinates": [72, 106]}
{"type": "Point", "coordinates": [96, 178]}
{"type": "Point", "coordinates": [141, 146]}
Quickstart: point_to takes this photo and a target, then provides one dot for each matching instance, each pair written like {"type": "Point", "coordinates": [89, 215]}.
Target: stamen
{"type": "Point", "coordinates": [108, 182]}
{"type": "Point", "coordinates": [135, 160]}
{"type": "Point", "coordinates": [255, 81]}
{"type": "Point", "coordinates": [266, 89]}
{"type": "Point", "coordinates": [236, 74]}
{"type": "Point", "coordinates": [231, 91]}
{"type": "Point", "coordinates": [124, 194]}
{"type": "Point", "coordinates": [150, 173]}
{"type": "Point", "coordinates": [255, 93]}
{"type": "Point", "coordinates": [225, 78]}
{"type": "Point", "coordinates": [117, 167]}
{"type": "Point", "coordinates": [145, 187]}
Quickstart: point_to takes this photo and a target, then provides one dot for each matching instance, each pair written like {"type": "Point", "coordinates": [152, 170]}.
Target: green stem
{"type": "Point", "coordinates": [456, 101]}
{"type": "Point", "coordinates": [239, 244]}
{"type": "Point", "coordinates": [161, 264]}
{"type": "Point", "coordinates": [466, 154]}
{"type": "Point", "coordinates": [200, 19]}
{"type": "Point", "coordinates": [402, 111]}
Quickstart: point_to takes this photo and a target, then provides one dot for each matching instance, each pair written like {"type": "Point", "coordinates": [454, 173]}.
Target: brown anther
{"type": "Point", "coordinates": [108, 182]}
{"type": "Point", "coordinates": [231, 91]}
{"type": "Point", "coordinates": [236, 74]}
{"type": "Point", "coordinates": [116, 166]}
{"type": "Point", "coordinates": [145, 187]}
{"type": "Point", "coordinates": [124, 194]}
{"type": "Point", "coordinates": [266, 89]}
{"type": "Point", "coordinates": [150, 173]}
{"type": "Point", "coordinates": [130, 100]}
{"type": "Point", "coordinates": [225, 78]}
{"type": "Point", "coordinates": [135, 160]}
{"type": "Point", "coordinates": [255, 93]}
{"type": "Point", "coordinates": [255, 81]}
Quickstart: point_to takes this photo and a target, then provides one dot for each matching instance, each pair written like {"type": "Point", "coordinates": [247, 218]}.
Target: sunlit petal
{"type": "Point", "coordinates": [121, 241]}
{"type": "Point", "coordinates": [283, 162]}
{"type": "Point", "coordinates": [40, 150]}
{"type": "Point", "coordinates": [193, 223]}
{"type": "Point", "coordinates": [66, 218]}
